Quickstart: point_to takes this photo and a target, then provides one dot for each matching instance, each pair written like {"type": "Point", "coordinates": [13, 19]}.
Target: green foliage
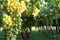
{"type": "Point", "coordinates": [0, 19]}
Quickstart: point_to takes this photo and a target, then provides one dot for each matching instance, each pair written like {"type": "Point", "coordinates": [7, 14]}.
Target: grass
{"type": "Point", "coordinates": [41, 35]}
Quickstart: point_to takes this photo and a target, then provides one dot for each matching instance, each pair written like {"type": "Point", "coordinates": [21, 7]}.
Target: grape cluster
{"type": "Point", "coordinates": [15, 5]}
{"type": "Point", "coordinates": [7, 20]}
{"type": "Point", "coordinates": [35, 12]}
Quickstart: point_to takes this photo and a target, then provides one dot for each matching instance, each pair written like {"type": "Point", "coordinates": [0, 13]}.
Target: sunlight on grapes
{"type": "Point", "coordinates": [35, 12]}
{"type": "Point", "coordinates": [13, 5]}
{"type": "Point", "coordinates": [7, 20]}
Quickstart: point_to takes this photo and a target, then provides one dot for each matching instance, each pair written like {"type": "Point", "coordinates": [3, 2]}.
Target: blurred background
{"type": "Point", "coordinates": [29, 19]}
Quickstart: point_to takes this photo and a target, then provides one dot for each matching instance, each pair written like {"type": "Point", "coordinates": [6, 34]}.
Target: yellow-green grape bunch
{"type": "Point", "coordinates": [7, 20]}
{"type": "Point", "coordinates": [15, 5]}
{"type": "Point", "coordinates": [35, 12]}
{"type": "Point", "coordinates": [58, 4]}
